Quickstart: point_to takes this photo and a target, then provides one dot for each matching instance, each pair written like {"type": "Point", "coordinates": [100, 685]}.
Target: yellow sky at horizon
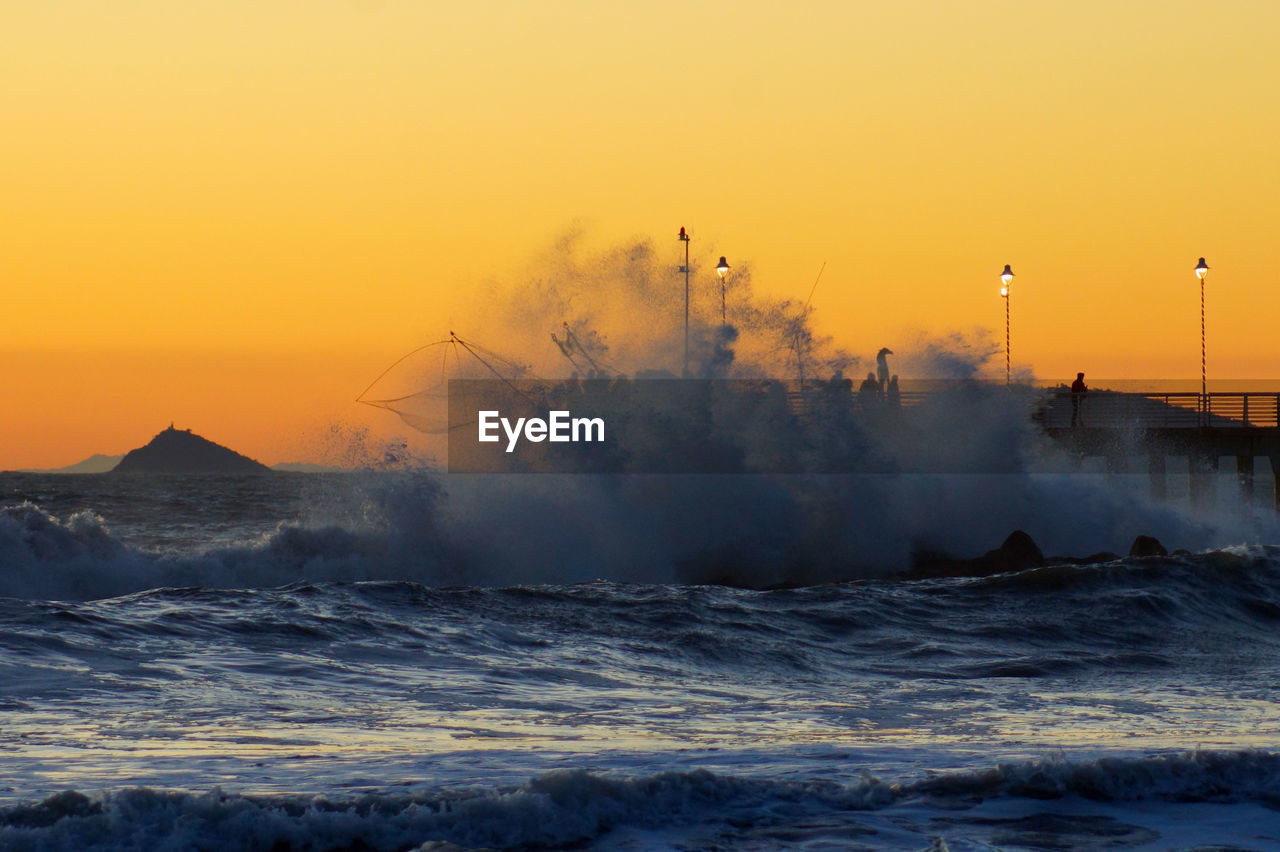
{"type": "Point", "coordinates": [281, 197]}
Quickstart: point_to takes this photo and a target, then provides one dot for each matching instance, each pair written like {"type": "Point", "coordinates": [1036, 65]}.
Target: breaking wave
{"type": "Point", "coordinates": [751, 531]}
{"type": "Point", "coordinates": [1131, 615]}
{"type": "Point", "coordinates": [574, 807]}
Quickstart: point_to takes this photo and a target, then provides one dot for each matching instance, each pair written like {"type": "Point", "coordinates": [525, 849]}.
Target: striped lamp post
{"type": "Point", "coordinates": [1202, 269]}
{"type": "Point", "coordinates": [1005, 278]}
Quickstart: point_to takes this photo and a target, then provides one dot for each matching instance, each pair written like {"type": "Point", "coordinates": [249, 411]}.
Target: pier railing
{"type": "Point", "coordinates": [1112, 410]}
{"type": "Point", "coordinates": [1103, 409]}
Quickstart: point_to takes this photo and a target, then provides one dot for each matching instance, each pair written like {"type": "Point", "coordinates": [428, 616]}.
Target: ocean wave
{"type": "Point", "coordinates": [746, 531]}
{"type": "Point", "coordinates": [1129, 615]}
{"type": "Point", "coordinates": [576, 807]}
{"type": "Point", "coordinates": [1198, 776]}
{"type": "Point", "coordinates": [48, 558]}
{"type": "Point", "coordinates": [412, 539]}
{"type": "Point", "coordinates": [553, 810]}
{"type": "Point", "coordinates": [397, 576]}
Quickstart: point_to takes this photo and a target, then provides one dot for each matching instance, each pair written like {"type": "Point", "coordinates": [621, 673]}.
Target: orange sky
{"type": "Point", "coordinates": [235, 213]}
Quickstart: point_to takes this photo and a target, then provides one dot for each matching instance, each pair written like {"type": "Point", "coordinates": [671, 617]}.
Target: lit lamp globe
{"type": "Point", "coordinates": [1005, 278]}
{"type": "Point", "coordinates": [722, 268]}
{"type": "Point", "coordinates": [1202, 269]}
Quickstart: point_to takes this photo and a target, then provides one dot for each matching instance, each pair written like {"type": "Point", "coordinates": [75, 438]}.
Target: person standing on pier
{"type": "Point", "coordinates": [869, 393]}
{"type": "Point", "coordinates": [1078, 390]}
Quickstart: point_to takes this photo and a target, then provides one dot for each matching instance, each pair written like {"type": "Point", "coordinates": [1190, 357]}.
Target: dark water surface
{"type": "Point", "coordinates": [291, 692]}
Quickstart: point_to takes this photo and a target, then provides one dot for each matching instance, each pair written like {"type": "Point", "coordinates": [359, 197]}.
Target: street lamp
{"type": "Point", "coordinates": [684, 238]}
{"type": "Point", "coordinates": [1202, 269]}
{"type": "Point", "coordinates": [722, 269]}
{"type": "Point", "coordinates": [1005, 278]}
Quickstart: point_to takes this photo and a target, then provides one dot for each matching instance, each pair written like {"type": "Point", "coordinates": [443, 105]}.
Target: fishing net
{"type": "Point", "coordinates": [416, 386]}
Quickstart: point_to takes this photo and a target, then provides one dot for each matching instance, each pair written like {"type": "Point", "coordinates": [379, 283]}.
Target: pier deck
{"type": "Point", "coordinates": [1203, 428]}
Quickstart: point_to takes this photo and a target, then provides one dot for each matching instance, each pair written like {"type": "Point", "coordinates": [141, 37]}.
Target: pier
{"type": "Point", "coordinates": [1202, 428]}
{"type": "Point", "coordinates": [1119, 428]}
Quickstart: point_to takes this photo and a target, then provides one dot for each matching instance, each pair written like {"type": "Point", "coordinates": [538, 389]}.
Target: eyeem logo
{"type": "Point", "coordinates": [559, 427]}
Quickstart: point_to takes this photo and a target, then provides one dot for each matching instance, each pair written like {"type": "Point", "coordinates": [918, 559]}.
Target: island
{"type": "Point", "coordinates": [181, 451]}
{"type": "Point", "coordinates": [96, 463]}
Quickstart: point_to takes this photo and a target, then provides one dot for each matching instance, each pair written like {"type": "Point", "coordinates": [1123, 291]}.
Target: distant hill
{"type": "Point", "coordinates": [181, 451]}
{"type": "Point", "coordinates": [96, 463]}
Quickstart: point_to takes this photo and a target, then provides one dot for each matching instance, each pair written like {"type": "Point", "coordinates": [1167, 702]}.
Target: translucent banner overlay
{"type": "Point", "coordinates": [836, 426]}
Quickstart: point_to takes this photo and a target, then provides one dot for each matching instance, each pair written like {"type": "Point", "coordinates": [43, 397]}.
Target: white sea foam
{"type": "Point", "coordinates": [579, 807]}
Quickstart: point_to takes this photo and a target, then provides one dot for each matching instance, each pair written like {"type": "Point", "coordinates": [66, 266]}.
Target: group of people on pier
{"type": "Point", "coordinates": [879, 387]}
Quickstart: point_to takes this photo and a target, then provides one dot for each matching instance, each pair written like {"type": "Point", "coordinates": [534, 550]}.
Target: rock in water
{"type": "Point", "coordinates": [181, 451]}
{"type": "Point", "coordinates": [1018, 553]}
{"type": "Point", "coordinates": [1145, 545]}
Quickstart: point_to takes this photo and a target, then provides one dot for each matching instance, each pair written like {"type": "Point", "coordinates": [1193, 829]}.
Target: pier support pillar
{"type": "Point", "coordinates": [1203, 478]}
{"type": "Point", "coordinates": [1155, 465]}
{"type": "Point", "coordinates": [1244, 472]}
{"type": "Point", "coordinates": [1275, 481]}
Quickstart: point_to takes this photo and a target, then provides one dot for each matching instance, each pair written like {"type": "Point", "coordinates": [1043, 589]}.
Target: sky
{"type": "Point", "coordinates": [233, 214]}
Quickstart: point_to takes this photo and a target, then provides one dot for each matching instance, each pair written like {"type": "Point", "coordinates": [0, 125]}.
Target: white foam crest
{"type": "Point", "coordinates": [554, 809]}
{"type": "Point", "coordinates": [577, 806]}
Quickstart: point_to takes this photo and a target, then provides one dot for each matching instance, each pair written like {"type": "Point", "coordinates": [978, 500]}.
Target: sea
{"type": "Point", "coordinates": [408, 661]}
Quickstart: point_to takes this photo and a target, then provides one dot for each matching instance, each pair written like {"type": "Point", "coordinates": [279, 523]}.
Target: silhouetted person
{"type": "Point", "coordinates": [882, 368]}
{"type": "Point", "coordinates": [892, 395]}
{"type": "Point", "coordinates": [1078, 390]}
{"type": "Point", "coordinates": [869, 392]}
{"type": "Point", "coordinates": [839, 384]}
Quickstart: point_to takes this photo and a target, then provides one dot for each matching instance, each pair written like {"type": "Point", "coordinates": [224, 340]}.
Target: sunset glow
{"type": "Point", "coordinates": [234, 214]}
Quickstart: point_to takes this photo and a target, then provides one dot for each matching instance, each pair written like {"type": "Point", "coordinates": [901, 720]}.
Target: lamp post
{"type": "Point", "coordinates": [684, 238]}
{"type": "Point", "coordinates": [1005, 278]}
{"type": "Point", "coordinates": [1202, 269]}
{"type": "Point", "coordinates": [722, 269]}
